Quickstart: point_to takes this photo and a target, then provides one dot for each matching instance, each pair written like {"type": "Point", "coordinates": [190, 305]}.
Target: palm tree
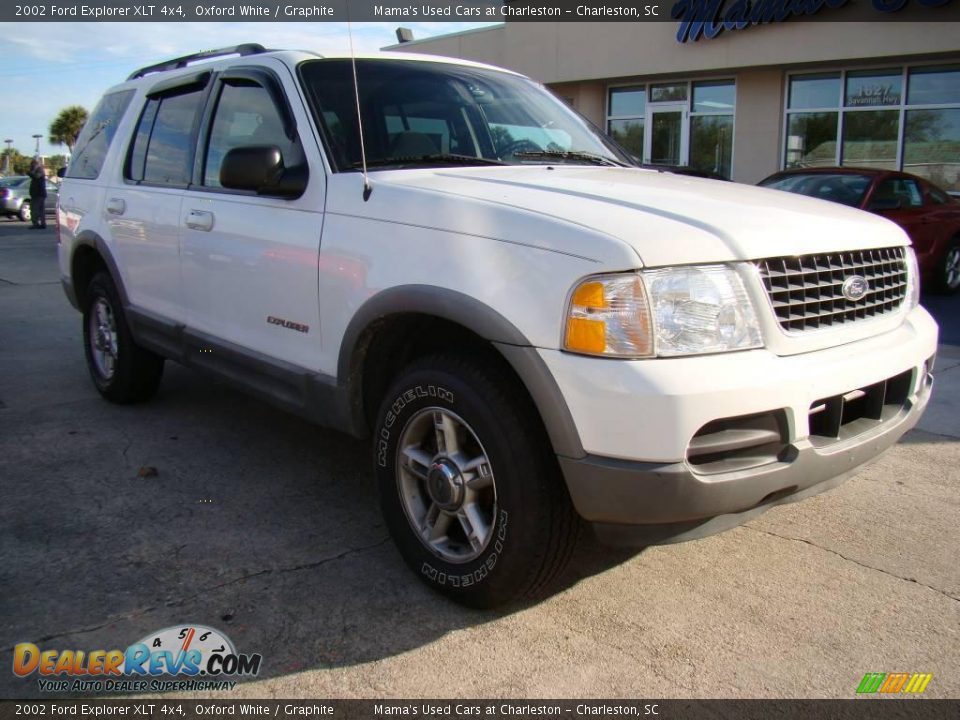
{"type": "Point", "coordinates": [67, 126]}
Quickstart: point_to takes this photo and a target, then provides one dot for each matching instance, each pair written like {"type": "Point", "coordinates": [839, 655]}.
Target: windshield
{"type": "Point", "coordinates": [14, 181]}
{"type": "Point", "coordinates": [844, 188]}
{"type": "Point", "coordinates": [419, 113]}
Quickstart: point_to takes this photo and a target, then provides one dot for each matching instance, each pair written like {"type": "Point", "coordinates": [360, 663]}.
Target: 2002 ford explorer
{"type": "Point", "coordinates": [531, 331]}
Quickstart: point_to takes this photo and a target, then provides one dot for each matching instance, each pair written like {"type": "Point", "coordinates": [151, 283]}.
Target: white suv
{"type": "Point", "coordinates": [530, 330]}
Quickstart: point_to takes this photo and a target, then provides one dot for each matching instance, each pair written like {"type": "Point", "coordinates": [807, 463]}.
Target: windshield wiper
{"type": "Point", "coordinates": [438, 158]}
{"type": "Point", "coordinates": [568, 155]}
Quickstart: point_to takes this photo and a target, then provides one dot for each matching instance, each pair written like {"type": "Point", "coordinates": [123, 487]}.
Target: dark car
{"type": "Point", "coordinates": [15, 197]}
{"type": "Point", "coordinates": [930, 216]}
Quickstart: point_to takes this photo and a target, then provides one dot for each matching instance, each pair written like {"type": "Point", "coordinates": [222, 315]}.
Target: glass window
{"type": "Point", "coordinates": [162, 151]}
{"type": "Point", "coordinates": [893, 193]}
{"type": "Point", "coordinates": [815, 91]}
{"type": "Point", "coordinates": [138, 152]}
{"type": "Point", "coordinates": [931, 146]}
{"type": "Point", "coordinates": [668, 92]}
{"type": "Point", "coordinates": [628, 101]}
{"type": "Point", "coordinates": [413, 109]}
{"type": "Point", "coordinates": [870, 138]}
{"type": "Point", "coordinates": [629, 133]}
{"type": "Point", "coordinates": [246, 115]}
{"type": "Point", "coordinates": [97, 134]}
{"type": "Point", "coordinates": [714, 96]}
{"type": "Point", "coordinates": [711, 143]}
{"type": "Point", "coordinates": [811, 139]}
{"type": "Point", "coordinates": [873, 88]}
{"type": "Point", "coordinates": [934, 86]}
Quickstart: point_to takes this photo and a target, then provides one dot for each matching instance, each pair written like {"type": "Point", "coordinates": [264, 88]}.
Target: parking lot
{"type": "Point", "coordinates": [266, 527]}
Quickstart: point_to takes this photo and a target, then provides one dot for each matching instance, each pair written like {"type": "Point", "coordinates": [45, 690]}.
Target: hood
{"type": "Point", "coordinates": [666, 218]}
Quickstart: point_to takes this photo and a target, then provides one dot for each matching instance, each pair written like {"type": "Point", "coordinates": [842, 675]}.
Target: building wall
{"type": "Point", "coordinates": [566, 52]}
{"type": "Point", "coordinates": [581, 61]}
{"type": "Point", "coordinates": [757, 130]}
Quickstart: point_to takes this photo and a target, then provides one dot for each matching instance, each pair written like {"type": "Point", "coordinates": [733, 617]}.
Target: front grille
{"type": "Point", "coordinates": [807, 291]}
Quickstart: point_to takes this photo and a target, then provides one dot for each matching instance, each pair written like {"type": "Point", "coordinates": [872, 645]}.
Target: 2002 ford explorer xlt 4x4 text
{"type": "Point", "coordinates": [531, 330]}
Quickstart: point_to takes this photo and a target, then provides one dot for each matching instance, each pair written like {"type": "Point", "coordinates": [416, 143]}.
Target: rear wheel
{"type": "Point", "coordinates": [469, 488]}
{"type": "Point", "coordinates": [122, 371]}
{"type": "Point", "coordinates": [948, 273]}
{"type": "Point", "coordinates": [25, 214]}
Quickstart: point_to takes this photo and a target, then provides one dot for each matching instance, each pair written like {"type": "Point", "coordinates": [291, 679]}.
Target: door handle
{"type": "Point", "coordinates": [200, 220]}
{"type": "Point", "coordinates": [116, 206]}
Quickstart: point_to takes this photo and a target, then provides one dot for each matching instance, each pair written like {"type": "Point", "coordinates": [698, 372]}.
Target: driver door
{"type": "Point", "coordinates": [249, 262]}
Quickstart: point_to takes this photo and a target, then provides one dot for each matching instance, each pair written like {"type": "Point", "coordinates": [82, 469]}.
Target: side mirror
{"type": "Point", "coordinates": [260, 168]}
{"type": "Point", "coordinates": [61, 172]}
{"type": "Point", "coordinates": [881, 204]}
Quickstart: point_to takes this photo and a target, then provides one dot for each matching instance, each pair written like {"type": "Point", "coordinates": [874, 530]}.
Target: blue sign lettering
{"type": "Point", "coordinates": [709, 18]}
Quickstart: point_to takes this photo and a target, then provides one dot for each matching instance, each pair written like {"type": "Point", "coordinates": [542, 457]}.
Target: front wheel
{"type": "Point", "coordinates": [25, 214]}
{"type": "Point", "coordinates": [948, 273]}
{"type": "Point", "coordinates": [469, 488]}
{"type": "Point", "coordinates": [122, 371]}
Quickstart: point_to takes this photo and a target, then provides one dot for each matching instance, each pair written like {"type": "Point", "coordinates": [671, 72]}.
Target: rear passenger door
{"type": "Point", "coordinates": [143, 213]}
{"type": "Point", "coordinates": [249, 262]}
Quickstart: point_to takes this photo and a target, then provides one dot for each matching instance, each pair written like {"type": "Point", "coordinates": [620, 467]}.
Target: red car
{"type": "Point", "coordinates": [930, 216]}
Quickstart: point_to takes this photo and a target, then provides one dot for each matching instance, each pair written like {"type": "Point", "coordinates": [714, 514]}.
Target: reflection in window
{"type": "Point", "coordinates": [711, 143]}
{"type": "Point", "coordinates": [870, 139]}
{"type": "Point", "coordinates": [873, 88]}
{"type": "Point", "coordinates": [246, 115]}
{"type": "Point", "coordinates": [627, 102]}
{"type": "Point", "coordinates": [811, 139]}
{"type": "Point", "coordinates": [934, 86]}
{"type": "Point", "coordinates": [169, 153]}
{"type": "Point", "coordinates": [97, 134]}
{"type": "Point", "coordinates": [714, 96]}
{"type": "Point", "coordinates": [629, 133]}
{"type": "Point", "coordinates": [931, 146]}
{"type": "Point", "coordinates": [815, 91]}
{"type": "Point", "coordinates": [668, 92]}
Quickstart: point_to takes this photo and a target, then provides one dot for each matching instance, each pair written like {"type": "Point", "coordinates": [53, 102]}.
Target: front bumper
{"type": "Point", "coordinates": [658, 494]}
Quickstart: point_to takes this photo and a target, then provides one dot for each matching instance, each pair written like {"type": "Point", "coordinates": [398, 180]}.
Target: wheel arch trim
{"type": "Point", "coordinates": [92, 240]}
{"type": "Point", "coordinates": [483, 321]}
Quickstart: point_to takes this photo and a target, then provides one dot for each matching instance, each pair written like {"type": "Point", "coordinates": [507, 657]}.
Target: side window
{"type": "Point", "coordinates": [162, 151]}
{"type": "Point", "coordinates": [245, 115]}
{"type": "Point", "coordinates": [937, 196]}
{"type": "Point", "coordinates": [896, 192]}
{"type": "Point", "coordinates": [97, 134]}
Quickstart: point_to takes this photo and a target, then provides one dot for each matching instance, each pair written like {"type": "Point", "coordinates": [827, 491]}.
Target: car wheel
{"type": "Point", "coordinates": [24, 213]}
{"type": "Point", "coordinates": [122, 371]}
{"type": "Point", "coordinates": [948, 273]}
{"type": "Point", "coordinates": [469, 487]}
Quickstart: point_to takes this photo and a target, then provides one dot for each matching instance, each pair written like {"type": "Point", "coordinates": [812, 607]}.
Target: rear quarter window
{"type": "Point", "coordinates": [97, 135]}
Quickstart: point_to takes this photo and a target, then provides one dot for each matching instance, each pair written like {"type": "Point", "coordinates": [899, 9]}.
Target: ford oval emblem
{"type": "Point", "coordinates": [854, 288]}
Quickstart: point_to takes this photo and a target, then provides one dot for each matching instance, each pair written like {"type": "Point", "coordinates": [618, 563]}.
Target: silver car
{"type": "Point", "coordinates": [15, 197]}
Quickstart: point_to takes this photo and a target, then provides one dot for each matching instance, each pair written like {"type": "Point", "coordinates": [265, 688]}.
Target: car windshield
{"type": "Point", "coordinates": [844, 188]}
{"type": "Point", "coordinates": [418, 113]}
{"type": "Point", "coordinates": [15, 181]}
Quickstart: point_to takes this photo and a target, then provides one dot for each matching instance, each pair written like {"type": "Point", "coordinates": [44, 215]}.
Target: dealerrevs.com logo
{"type": "Point", "coordinates": [200, 657]}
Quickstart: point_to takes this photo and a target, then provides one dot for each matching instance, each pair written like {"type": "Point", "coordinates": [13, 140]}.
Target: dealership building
{"type": "Point", "coordinates": [748, 102]}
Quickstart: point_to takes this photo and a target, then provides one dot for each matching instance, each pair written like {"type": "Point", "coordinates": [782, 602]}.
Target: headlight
{"type": "Point", "coordinates": [913, 279]}
{"type": "Point", "coordinates": [664, 312]}
{"type": "Point", "coordinates": [609, 315]}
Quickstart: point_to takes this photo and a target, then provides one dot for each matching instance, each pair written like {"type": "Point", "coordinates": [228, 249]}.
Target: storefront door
{"type": "Point", "coordinates": [667, 134]}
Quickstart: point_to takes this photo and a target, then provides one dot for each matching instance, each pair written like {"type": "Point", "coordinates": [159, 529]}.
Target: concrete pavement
{"type": "Point", "coordinates": [267, 528]}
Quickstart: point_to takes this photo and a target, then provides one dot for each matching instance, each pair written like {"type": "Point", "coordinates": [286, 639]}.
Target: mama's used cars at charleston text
{"type": "Point", "coordinates": [530, 330]}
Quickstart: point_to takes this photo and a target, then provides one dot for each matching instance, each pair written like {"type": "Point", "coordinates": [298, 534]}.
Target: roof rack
{"type": "Point", "coordinates": [182, 62]}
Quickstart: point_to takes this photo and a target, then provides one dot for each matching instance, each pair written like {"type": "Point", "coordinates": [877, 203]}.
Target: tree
{"type": "Point", "coordinates": [65, 129]}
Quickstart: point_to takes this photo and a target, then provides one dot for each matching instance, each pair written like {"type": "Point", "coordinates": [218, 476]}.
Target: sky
{"type": "Point", "coordinates": [45, 67]}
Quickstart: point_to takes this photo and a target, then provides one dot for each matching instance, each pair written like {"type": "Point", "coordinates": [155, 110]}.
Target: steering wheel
{"type": "Point", "coordinates": [522, 145]}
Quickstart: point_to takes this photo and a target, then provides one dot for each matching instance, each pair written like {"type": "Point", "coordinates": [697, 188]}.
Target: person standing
{"type": "Point", "coordinates": [38, 195]}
